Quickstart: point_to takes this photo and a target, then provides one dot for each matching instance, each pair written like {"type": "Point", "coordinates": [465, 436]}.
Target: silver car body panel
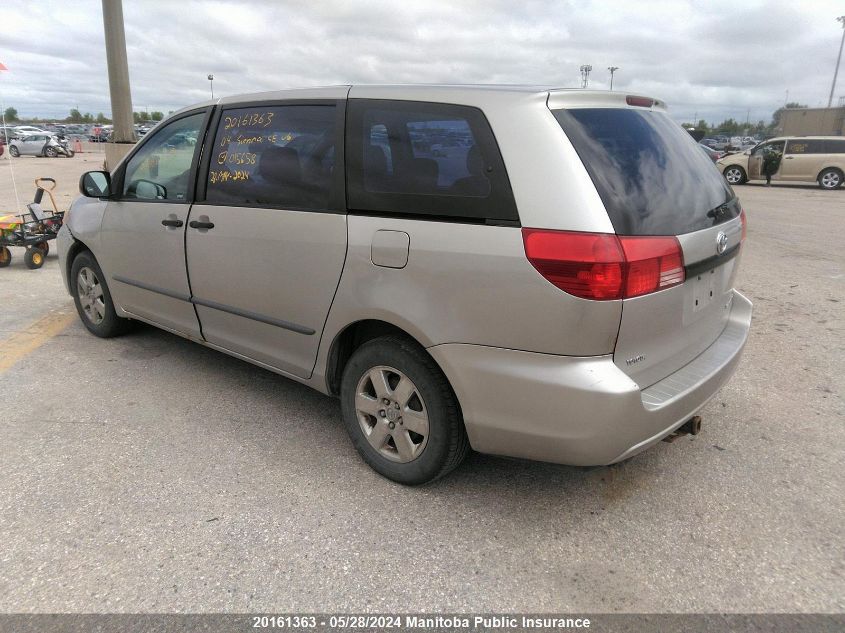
{"type": "Point", "coordinates": [581, 411]}
{"type": "Point", "coordinates": [263, 281]}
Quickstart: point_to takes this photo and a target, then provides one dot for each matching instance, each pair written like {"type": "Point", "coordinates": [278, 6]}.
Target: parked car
{"type": "Point", "coordinates": [39, 145]}
{"type": "Point", "coordinates": [541, 311]}
{"type": "Point", "coordinates": [818, 159]}
{"type": "Point", "coordinates": [21, 131]}
{"type": "Point", "coordinates": [712, 154]}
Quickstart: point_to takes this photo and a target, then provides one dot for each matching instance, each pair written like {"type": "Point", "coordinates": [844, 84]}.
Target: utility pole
{"type": "Point", "coordinates": [585, 75]}
{"type": "Point", "coordinates": [211, 83]}
{"type": "Point", "coordinates": [612, 70]}
{"type": "Point", "coordinates": [840, 19]}
{"type": "Point", "coordinates": [121, 97]}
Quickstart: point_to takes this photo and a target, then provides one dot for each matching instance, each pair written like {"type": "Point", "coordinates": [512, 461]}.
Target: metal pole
{"type": "Point", "coordinates": [841, 19]}
{"type": "Point", "coordinates": [612, 70]}
{"type": "Point", "coordinates": [211, 83]}
{"type": "Point", "coordinates": [118, 65]}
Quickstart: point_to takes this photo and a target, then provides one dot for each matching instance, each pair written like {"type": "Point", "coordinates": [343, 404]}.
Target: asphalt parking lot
{"type": "Point", "coordinates": [149, 474]}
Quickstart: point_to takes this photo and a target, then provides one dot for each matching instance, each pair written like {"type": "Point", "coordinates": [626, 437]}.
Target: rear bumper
{"type": "Point", "coordinates": [582, 411]}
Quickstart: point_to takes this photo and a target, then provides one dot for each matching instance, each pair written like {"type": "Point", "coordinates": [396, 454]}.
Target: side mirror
{"type": "Point", "coordinates": [95, 184]}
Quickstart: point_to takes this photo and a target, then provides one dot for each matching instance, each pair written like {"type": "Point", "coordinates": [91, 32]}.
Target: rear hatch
{"type": "Point", "coordinates": [654, 181]}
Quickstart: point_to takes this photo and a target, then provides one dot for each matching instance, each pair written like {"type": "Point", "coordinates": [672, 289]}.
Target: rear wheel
{"type": "Point", "coordinates": [44, 247]}
{"type": "Point", "coordinates": [401, 413]}
{"type": "Point", "coordinates": [830, 179]}
{"type": "Point", "coordinates": [34, 258]}
{"type": "Point", "coordinates": [93, 299]}
{"type": "Point", "coordinates": [50, 152]}
{"type": "Point", "coordinates": [5, 257]}
{"type": "Point", "coordinates": [735, 175]}
{"type": "Point", "coordinates": [14, 151]}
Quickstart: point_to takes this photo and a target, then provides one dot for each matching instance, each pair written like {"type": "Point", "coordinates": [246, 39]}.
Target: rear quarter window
{"type": "Point", "coordinates": [425, 159]}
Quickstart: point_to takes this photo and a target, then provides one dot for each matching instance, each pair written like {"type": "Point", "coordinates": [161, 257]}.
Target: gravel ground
{"type": "Point", "coordinates": [149, 474]}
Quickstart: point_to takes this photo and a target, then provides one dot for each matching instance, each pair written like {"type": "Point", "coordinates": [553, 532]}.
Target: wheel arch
{"type": "Point", "coordinates": [350, 338]}
{"type": "Point", "coordinates": [828, 168]}
{"type": "Point", "coordinates": [77, 247]}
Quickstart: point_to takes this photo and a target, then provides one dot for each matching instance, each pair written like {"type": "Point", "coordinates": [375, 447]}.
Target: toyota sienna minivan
{"type": "Point", "coordinates": [539, 273]}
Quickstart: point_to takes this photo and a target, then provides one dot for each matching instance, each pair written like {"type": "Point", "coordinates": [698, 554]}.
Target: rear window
{"type": "Point", "coordinates": [425, 159]}
{"type": "Point", "coordinates": [651, 177]}
{"type": "Point", "coordinates": [834, 147]}
{"type": "Point", "coordinates": [802, 146]}
{"type": "Point", "coordinates": [276, 156]}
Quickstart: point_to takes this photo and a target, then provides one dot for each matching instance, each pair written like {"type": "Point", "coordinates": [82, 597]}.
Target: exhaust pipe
{"type": "Point", "coordinates": [690, 427]}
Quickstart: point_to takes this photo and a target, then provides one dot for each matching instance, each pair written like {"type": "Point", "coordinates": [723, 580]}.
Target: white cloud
{"type": "Point", "coordinates": [716, 59]}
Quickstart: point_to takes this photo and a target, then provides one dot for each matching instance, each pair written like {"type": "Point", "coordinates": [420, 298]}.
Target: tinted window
{"type": "Point", "coordinates": [277, 156]}
{"type": "Point", "coordinates": [802, 146]}
{"type": "Point", "coordinates": [425, 158]}
{"type": "Point", "coordinates": [161, 168]}
{"type": "Point", "coordinates": [648, 172]}
{"type": "Point", "coordinates": [834, 147]}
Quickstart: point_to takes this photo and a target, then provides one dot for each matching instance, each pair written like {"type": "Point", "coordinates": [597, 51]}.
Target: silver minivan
{"type": "Point", "coordinates": [538, 273]}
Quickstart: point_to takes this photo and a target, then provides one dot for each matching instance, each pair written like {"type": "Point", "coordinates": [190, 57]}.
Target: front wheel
{"type": "Point", "coordinates": [401, 413]}
{"type": "Point", "coordinates": [93, 299]}
{"type": "Point", "coordinates": [14, 151]}
{"type": "Point", "coordinates": [830, 179]}
{"type": "Point", "coordinates": [735, 175]}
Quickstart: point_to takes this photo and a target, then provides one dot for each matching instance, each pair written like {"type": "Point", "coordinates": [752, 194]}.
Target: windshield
{"type": "Point", "coordinates": [648, 172]}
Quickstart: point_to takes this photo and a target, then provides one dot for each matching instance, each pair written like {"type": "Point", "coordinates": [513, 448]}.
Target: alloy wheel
{"type": "Point", "coordinates": [90, 293]}
{"type": "Point", "coordinates": [733, 176]}
{"type": "Point", "coordinates": [392, 414]}
{"type": "Point", "coordinates": [830, 180]}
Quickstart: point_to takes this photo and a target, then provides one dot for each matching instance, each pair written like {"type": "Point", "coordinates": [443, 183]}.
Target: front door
{"type": "Point", "coordinates": [143, 230]}
{"type": "Point", "coordinates": [757, 164]}
{"type": "Point", "coordinates": [266, 247]}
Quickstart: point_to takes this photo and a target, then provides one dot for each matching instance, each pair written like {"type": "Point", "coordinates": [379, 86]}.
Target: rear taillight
{"type": "Point", "coordinates": [604, 266]}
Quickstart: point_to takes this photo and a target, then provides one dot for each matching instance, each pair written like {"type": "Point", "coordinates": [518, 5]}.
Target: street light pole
{"type": "Point", "coordinates": [211, 83]}
{"type": "Point", "coordinates": [841, 19]}
{"type": "Point", "coordinates": [612, 70]}
{"type": "Point", "coordinates": [118, 67]}
{"type": "Point", "coordinates": [585, 75]}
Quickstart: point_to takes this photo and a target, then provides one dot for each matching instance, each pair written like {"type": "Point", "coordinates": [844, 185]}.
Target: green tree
{"type": "Point", "coordinates": [101, 118]}
{"type": "Point", "coordinates": [87, 118]}
{"type": "Point", "coordinates": [11, 115]}
{"type": "Point", "coordinates": [156, 115]}
{"type": "Point", "coordinates": [75, 116]}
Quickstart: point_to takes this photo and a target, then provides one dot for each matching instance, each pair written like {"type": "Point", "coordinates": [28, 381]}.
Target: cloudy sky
{"type": "Point", "coordinates": [713, 58]}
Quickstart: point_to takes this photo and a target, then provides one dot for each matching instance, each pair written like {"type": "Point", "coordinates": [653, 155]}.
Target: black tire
{"type": "Point", "coordinates": [446, 444]}
{"type": "Point", "coordinates": [44, 247]}
{"type": "Point", "coordinates": [34, 258]}
{"type": "Point", "coordinates": [14, 151]}
{"type": "Point", "coordinates": [831, 179]}
{"type": "Point", "coordinates": [737, 175]}
{"type": "Point", "coordinates": [111, 324]}
{"type": "Point", "coordinates": [50, 152]}
{"type": "Point", "coordinates": [5, 257]}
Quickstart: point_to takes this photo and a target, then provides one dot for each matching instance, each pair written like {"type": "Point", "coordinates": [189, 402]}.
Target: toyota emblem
{"type": "Point", "coordinates": [721, 243]}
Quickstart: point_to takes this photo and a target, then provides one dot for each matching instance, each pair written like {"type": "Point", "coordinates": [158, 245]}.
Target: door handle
{"type": "Point", "coordinates": [194, 224]}
{"type": "Point", "coordinates": [176, 223]}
